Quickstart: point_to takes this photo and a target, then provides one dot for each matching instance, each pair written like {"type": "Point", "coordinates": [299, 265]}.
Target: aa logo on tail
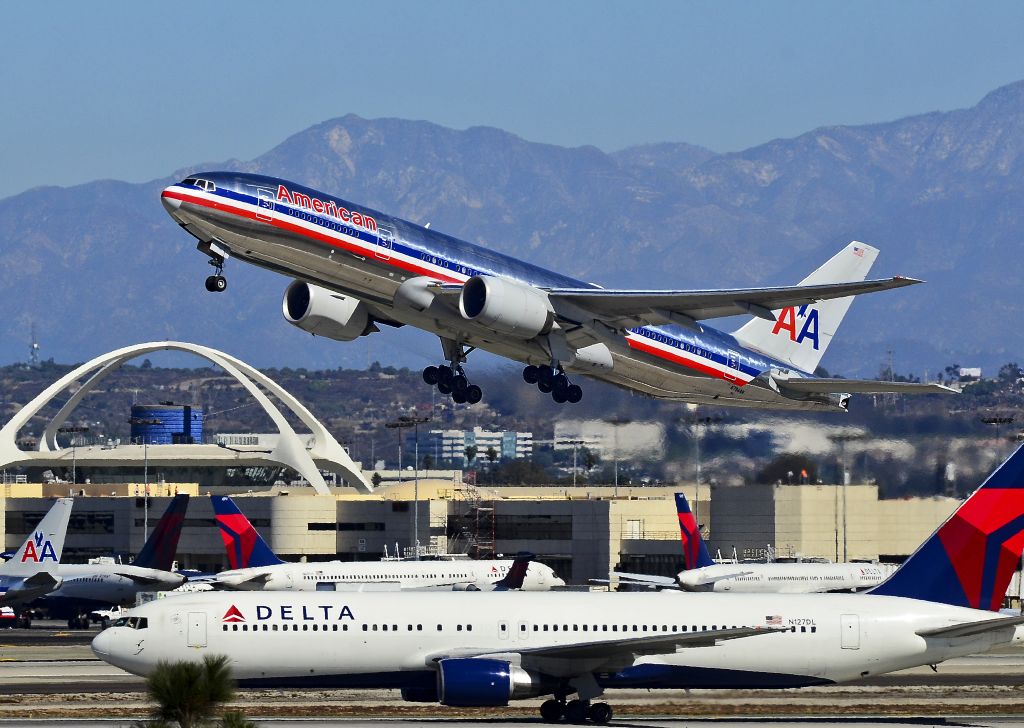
{"type": "Point", "coordinates": [39, 549]}
{"type": "Point", "coordinates": [787, 321]}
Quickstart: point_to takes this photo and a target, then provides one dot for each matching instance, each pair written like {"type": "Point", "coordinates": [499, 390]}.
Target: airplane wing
{"type": "Point", "coordinates": [721, 577]}
{"type": "Point", "coordinates": [610, 652]}
{"type": "Point", "coordinates": [969, 629]}
{"type": "Point", "coordinates": [253, 583]}
{"type": "Point", "coordinates": [645, 579]}
{"type": "Point", "coordinates": [633, 308]}
{"type": "Point", "coordinates": [33, 587]}
{"type": "Point", "coordinates": [860, 386]}
{"type": "Point", "coordinates": [144, 580]}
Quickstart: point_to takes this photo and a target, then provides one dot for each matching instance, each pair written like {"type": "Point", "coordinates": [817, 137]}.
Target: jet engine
{"type": "Point", "coordinates": [516, 309]}
{"type": "Point", "coordinates": [479, 682]}
{"type": "Point", "coordinates": [324, 313]}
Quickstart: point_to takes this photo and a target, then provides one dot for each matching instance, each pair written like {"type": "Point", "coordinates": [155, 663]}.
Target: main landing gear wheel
{"type": "Point", "coordinates": [600, 713]}
{"type": "Point", "coordinates": [216, 284]}
{"type": "Point", "coordinates": [576, 711]}
{"type": "Point", "coordinates": [453, 382]}
{"type": "Point", "coordinates": [551, 711]}
{"type": "Point", "coordinates": [554, 382]}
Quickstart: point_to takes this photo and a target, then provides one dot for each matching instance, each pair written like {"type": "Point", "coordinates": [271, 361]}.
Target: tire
{"type": "Point", "coordinates": [559, 396]}
{"type": "Point", "coordinates": [430, 375]}
{"type": "Point", "coordinates": [474, 394]}
{"type": "Point", "coordinates": [574, 394]}
{"type": "Point", "coordinates": [444, 388]}
{"type": "Point", "coordinates": [459, 396]}
{"type": "Point", "coordinates": [460, 383]}
{"type": "Point", "coordinates": [210, 285]}
{"type": "Point", "coordinates": [551, 711]}
{"type": "Point", "coordinates": [220, 284]}
{"type": "Point", "coordinates": [530, 377]}
{"type": "Point", "coordinates": [545, 378]}
{"type": "Point", "coordinates": [545, 387]}
{"type": "Point", "coordinates": [575, 711]}
{"type": "Point", "coordinates": [559, 383]}
{"type": "Point", "coordinates": [445, 376]}
{"type": "Point", "coordinates": [600, 713]}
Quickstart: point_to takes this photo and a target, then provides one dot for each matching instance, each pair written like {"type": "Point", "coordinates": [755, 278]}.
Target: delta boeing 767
{"type": "Point", "coordinates": [356, 268]}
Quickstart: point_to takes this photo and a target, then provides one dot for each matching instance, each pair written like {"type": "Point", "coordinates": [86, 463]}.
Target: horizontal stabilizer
{"type": "Point", "coordinates": [969, 629]}
{"type": "Point", "coordinates": [860, 386]}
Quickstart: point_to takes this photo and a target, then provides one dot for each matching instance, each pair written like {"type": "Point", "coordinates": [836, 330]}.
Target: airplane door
{"type": "Point", "coordinates": [733, 362]}
{"type": "Point", "coordinates": [197, 629]}
{"type": "Point", "coordinates": [266, 202]}
{"type": "Point", "coordinates": [385, 243]}
{"type": "Point", "coordinates": [849, 625]}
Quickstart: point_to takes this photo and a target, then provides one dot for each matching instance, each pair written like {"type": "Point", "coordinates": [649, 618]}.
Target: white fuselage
{"type": "Point", "coordinates": [110, 583]}
{"type": "Point", "coordinates": [393, 640]}
{"type": "Point", "coordinates": [786, 578]}
{"type": "Point", "coordinates": [463, 574]}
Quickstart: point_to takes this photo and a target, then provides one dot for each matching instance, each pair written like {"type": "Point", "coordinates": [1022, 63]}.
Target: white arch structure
{"type": "Point", "coordinates": [290, 450]}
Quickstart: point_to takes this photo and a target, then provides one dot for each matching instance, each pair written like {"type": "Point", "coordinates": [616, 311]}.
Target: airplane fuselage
{"type": "Point", "coordinates": [382, 261]}
{"type": "Point", "coordinates": [393, 640]}
{"type": "Point", "coordinates": [87, 586]}
{"type": "Point", "coordinates": [784, 578]}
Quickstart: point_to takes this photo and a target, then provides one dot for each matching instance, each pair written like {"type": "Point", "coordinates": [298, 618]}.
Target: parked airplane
{"type": "Point", "coordinates": [701, 573]}
{"type": "Point", "coordinates": [85, 587]}
{"type": "Point", "coordinates": [488, 649]}
{"type": "Point", "coordinates": [255, 567]}
{"type": "Point", "coordinates": [32, 571]}
{"type": "Point", "coordinates": [356, 268]}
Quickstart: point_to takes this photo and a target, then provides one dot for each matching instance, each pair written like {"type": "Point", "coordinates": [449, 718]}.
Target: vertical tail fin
{"type": "Point", "coordinates": [695, 552]}
{"type": "Point", "coordinates": [42, 550]}
{"type": "Point", "coordinates": [970, 559]}
{"type": "Point", "coordinates": [516, 573]}
{"type": "Point", "coordinates": [159, 549]}
{"type": "Point", "coordinates": [801, 334]}
{"type": "Point", "coordinates": [243, 544]}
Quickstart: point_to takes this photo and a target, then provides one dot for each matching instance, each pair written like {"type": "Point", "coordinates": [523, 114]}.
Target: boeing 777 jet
{"type": "Point", "coordinates": [357, 269]}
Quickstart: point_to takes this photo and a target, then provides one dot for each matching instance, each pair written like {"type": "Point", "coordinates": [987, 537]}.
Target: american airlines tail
{"type": "Point", "coordinates": [42, 549]}
{"type": "Point", "coordinates": [159, 550]}
{"type": "Point", "coordinates": [695, 553]}
{"type": "Point", "coordinates": [801, 334]}
{"type": "Point", "coordinates": [245, 547]}
{"type": "Point", "coordinates": [970, 559]}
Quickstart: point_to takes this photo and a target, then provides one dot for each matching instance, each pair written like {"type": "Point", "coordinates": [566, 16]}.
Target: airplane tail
{"type": "Point", "coordinates": [800, 335]}
{"type": "Point", "coordinates": [695, 552]}
{"type": "Point", "coordinates": [516, 573]}
{"type": "Point", "coordinates": [245, 547]}
{"type": "Point", "coordinates": [970, 559]}
{"type": "Point", "coordinates": [42, 550]}
{"type": "Point", "coordinates": [159, 550]}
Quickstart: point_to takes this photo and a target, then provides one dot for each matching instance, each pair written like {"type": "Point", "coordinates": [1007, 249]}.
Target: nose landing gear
{"type": "Point", "coordinates": [217, 283]}
{"type": "Point", "coordinates": [553, 381]}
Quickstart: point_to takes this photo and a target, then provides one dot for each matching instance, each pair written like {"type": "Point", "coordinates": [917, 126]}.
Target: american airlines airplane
{"type": "Point", "coordinates": [85, 587]}
{"type": "Point", "coordinates": [488, 649]}
{"type": "Point", "coordinates": [256, 567]}
{"type": "Point", "coordinates": [701, 573]}
{"type": "Point", "coordinates": [356, 269]}
{"type": "Point", "coordinates": [32, 571]}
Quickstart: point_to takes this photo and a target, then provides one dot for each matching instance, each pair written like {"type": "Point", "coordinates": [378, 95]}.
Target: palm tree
{"type": "Point", "coordinates": [188, 692]}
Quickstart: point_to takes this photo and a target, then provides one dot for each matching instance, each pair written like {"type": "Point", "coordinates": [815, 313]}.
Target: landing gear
{"type": "Point", "coordinates": [553, 381]}
{"type": "Point", "coordinates": [575, 711]}
{"type": "Point", "coordinates": [451, 379]}
{"type": "Point", "coordinates": [217, 283]}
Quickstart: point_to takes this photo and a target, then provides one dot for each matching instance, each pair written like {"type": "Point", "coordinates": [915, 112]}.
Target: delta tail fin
{"type": "Point", "coordinates": [42, 550]}
{"type": "Point", "coordinates": [516, 573]}
{"type": "Point", "coordinates": [244, 546]}
{"type": "Point", "coordinates": [695, 552]}
{"type": "Point", "coordinates": [970, 559]}
{"type": "Point", "coordinates": [800, 334]}
{"type": "Point", "coordinates": [159, 550]}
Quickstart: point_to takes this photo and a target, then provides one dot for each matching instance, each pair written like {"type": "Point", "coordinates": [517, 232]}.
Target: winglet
{"type": "Point", "coordinates": [159, 550]}
{"type": "Point", "coordinates": [243, 544]}
{"type": "Point", "coordinates": [970, 559]}
{"type": "Point", "coordinates": [516, 573]}
{"type": "Point", "coordinates": [42, 549]}
{"type": "Point", "coordinates": [695, 552]}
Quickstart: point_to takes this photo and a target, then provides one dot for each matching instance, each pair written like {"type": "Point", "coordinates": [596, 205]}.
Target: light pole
{"type": "Point", "coordinates": [616, 422]}
{"type": "Point", "coordinates": [700, 426]}
{"type": "Point", "coordinates": [145, 473]}
{"type": "Point", "coordinates": [842, 438]}
{"type": "Point", "coordinates": [399, 424]}
{"type": "Point", "coordinates": [76, 432]}
{"type": "Point", "coordinates": [575, 444]}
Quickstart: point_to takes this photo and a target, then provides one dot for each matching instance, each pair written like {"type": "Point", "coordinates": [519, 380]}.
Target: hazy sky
{"type": "Point", "coordinates": [136, 90]}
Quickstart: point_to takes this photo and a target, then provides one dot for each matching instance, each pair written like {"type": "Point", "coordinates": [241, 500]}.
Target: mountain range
{"type": "Point", "coordinates": [100, 265]}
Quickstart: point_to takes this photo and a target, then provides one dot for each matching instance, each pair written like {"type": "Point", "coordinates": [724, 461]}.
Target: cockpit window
{"type": "Point", "coordinates": [121, 622]}
{"type": "Point", "coordinates": [132, 622]}
{"type": "Point", "coordinates": [189, 181]}
{"type": "Point", "coordinates": [203, 184]}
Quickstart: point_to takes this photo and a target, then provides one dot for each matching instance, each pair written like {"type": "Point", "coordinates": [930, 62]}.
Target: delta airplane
{"type": "Point", "coordinates": [356, 268]}
{"type": "Point", "coordinates": [701, 573]}
{"type": "Point", "coordinates": [487, 649]}
{"type": "Point", "coordinates": [255, 567]}
{"type": "Point", "coordinates": [32, 571]}
{"type": "Point", "coordinates": [85, 587]}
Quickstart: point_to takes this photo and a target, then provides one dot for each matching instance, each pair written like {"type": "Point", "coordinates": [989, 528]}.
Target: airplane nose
{"type": "Point", "coordinates": [170, 204]}
{"type": "Point", "coordinates": [102, 644]}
